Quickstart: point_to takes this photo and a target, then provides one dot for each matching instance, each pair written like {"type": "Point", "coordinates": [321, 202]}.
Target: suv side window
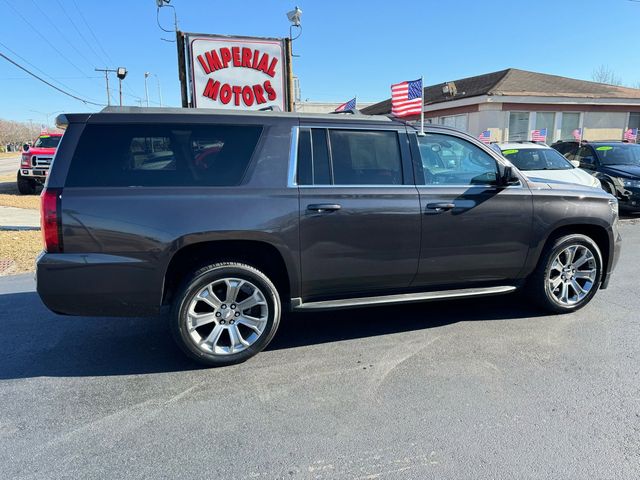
{"type": "Point", "coordinates": [449, 160]}
{"type": "Point", "coordinates": [361, 157]}
{"type": "Point", "coordinates": [586, 156]}
{"type": "Point", "coordinates": [313, 157]}
{"type": "Point", "coordinates": [162, 155]}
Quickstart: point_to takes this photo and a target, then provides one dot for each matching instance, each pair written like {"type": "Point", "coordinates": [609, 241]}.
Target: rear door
{"type": "Point", "coordinates": [472, 230]}
{"type": "Point", "coordinates": [359, 211]}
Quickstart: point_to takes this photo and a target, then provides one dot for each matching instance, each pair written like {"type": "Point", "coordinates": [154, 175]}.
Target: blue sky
{"type": "Point", "coordinates": [346, 48]}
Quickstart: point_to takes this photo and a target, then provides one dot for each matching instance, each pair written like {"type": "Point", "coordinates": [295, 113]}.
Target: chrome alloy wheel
{"type": "Point", "coordinates": [227, 316]}
{"type": "Point", "coordinates": [572, 275]}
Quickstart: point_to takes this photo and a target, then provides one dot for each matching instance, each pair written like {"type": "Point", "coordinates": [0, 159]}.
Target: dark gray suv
{"type": "Point", "coordinates": [231, 218]}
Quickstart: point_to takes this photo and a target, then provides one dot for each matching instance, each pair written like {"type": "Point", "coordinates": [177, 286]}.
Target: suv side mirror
{"type": "Point", "coordinates": [25, 148]}
{"type": "Point", "coordinates": [575, 163]}
{"type": "Point", "coordinates": [508, 177]}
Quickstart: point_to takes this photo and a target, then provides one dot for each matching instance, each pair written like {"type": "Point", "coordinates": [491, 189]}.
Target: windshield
{"type": "Point", "coordinates": [46, 141]}
{"type": "Point", "coordinates": [618, 154]}
{"type": "Point", "coordinates": [537, 159]}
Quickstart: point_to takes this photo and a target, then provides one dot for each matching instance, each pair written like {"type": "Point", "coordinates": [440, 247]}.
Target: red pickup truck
{"type": "Point", "coordinates": [35, 162]}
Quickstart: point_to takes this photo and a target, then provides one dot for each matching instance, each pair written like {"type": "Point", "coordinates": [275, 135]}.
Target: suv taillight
{"type": "Point", "coordinates": [26, 161]}
{"type": "Point", "coordinates": [50, 219]}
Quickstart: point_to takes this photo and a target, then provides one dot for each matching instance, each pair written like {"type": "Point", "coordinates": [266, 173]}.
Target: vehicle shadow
{"type": "Point", "coordinates": [36, 342]}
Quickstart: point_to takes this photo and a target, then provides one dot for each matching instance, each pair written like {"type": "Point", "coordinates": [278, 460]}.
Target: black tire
{"type": "Point", "coordinates": [26, 186]}
{"type": "Point", "coordinates": [537, 288]}
{"type": "Point", "coordinates": [194, 284]}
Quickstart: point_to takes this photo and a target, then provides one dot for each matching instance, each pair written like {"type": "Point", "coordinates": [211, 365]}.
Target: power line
{"type": "Point", "coordinates": [61, 33]}
{"type": "Point", "coordinates": [84, 39]}
{"type": "Point", "coordinates": [91, 32]}
{"type": "Point", "coordinates": [44, 38]}
{"type": "Point", "coordinates": [40, 70]}
{"type": "Point", "coordinates": [87, 102]}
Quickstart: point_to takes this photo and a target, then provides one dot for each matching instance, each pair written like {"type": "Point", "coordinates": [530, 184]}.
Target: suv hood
{"type": "Point", "coordinates": [40, 151]}
{"type": "Point", "coordinates": [570, 175]}
{"type": "Point", "coordinates": [630, 171]}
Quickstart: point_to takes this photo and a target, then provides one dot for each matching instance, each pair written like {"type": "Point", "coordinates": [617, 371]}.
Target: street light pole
{"type": "Point", "coordinates": [146, 90]}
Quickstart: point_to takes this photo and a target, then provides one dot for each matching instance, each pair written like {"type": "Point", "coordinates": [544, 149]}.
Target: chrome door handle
{"type": "Point", "coordinates": [323, 207]}
{"type": "Point", "coordinates": [441, 206]}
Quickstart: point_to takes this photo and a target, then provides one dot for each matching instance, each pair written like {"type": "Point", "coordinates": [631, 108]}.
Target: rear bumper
{"type": "Point", "coordinates": [98, 285]}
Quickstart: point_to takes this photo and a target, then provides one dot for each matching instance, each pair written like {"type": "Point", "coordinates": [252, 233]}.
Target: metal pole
{"type": "Point", "coordinates": [106, 76]}
{"type": "Point", "coordinates": [120, 88]}
{"type": "Point", "coordinates": [146, 90]}
{"type": "Point", "coordinates": [422, 106]}
{"type": "Point", "coordinates": [159, 90]}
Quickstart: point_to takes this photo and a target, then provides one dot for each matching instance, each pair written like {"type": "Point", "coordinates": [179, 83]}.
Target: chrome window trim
{"type": "Point", "coordinates": [293, 163]}
{"type": "Point", "coordinates": [293, 159]}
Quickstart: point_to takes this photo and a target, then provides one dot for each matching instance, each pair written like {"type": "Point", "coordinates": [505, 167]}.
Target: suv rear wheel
{"type": "Point", "coordinates": [225, 313]}
{"type": "Point", "coordinates": [26, 186]}
{"type": "Point", "coordinates": [568, 274]}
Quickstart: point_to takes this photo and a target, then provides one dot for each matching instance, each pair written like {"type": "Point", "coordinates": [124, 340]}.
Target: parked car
{"type": "Point", "coordinates": [541, 162]}
{"type": "Point", "coordinates": [35, 162]}
{"type": "Point", "coordinates": [616, 164]}
{"type": "Point", "coordinates": [300, 212]}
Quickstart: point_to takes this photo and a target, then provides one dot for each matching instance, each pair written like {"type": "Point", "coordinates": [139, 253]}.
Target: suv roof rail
{"type": "Point", "coordinates": [270, 108]}
{"type": "Point", "coordinates": [351, 111]}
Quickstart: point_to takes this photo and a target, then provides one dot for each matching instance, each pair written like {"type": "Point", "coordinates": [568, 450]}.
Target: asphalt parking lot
{"type": "Point", "coordinates": [468, 389]}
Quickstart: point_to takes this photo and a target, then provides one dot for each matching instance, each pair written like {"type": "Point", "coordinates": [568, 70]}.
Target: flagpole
{"type": "Point", "coordinates": [422, 106]}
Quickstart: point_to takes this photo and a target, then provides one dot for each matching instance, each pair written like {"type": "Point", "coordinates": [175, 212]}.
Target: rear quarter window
{"type": "Point", "coordinates": [162, 155]}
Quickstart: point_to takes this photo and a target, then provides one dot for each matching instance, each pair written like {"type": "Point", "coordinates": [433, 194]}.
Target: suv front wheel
{"type": "Point", "coordinates": [568, 274]}
{"type": "Point", "coordinates": [225, 313]}
{"type": "Point", "coordinates": [26, 185]}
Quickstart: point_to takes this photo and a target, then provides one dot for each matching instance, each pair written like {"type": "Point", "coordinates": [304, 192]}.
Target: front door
{"type": "Point", "coordinates": [472, 231]}
{"type": "Point", "coordinates": [359, 212]}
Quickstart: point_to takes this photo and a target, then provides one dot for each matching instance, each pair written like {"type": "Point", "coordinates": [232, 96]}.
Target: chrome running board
{"type": "Point", "coordinates": [400, 298]}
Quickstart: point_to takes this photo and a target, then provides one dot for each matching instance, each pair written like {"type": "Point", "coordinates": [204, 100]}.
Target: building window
{"type": "Point", "coordinates": [546, 120]}
{"type": "Point", "coordinates": [570, 122]}
{"type": "Point", "coordinates": [634, 120]}
{"type": "Point", "coordinates": [455, 121]}
{"type": "Point", "coordinates": [518, 126]}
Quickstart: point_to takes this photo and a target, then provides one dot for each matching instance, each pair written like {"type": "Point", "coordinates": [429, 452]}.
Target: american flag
{"type": "Point", "coordinates": [631, 135]}
{"type": "Point", "coordinates": [539, 135]}
{"type": "Point", "coordinates": [406, 98]}
{"type": "Point", "coordinates": [485, 137]}
{"type": "Point", "coordinates": [577, 134]}
{"type": "Point", "coordinates": [350, 105]}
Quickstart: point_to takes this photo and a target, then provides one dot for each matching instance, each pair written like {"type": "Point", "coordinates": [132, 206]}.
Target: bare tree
{"type": "Point", "coordinates": [604, 74]}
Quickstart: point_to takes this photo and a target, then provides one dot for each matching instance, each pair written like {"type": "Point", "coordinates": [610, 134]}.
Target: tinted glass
{"type": "Point", "coordinates": [162, 155]}
{"type": "Point", "coordinates": [321, 169]}
{"type": "Point", "coordinates": [313, 157]}
{"type": "Point", "coordinates": [618, 154]}
{"type": "Point", "coordinates": [365, 157]}
{"type": "Point", "coordinates": [449, 160]}
{"type": "Point", "coordinates": [304, 163]}
{"type": "Point", "coordinates": [634, 120]}
{"type": "Point", "coordinates": [537, 159]}
{"type": "Point", "coordinates": [585, 156]}
{"type": "Point", "coordinates": [46, 141]}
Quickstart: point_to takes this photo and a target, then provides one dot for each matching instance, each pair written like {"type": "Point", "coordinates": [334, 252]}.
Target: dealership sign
{"type": "Point", "coordinates": [237, 73]}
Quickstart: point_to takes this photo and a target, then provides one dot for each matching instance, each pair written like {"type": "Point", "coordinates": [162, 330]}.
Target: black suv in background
{"type": "Point", "coordinates": [231, 218]}
{"type": "Point", "coordinates": [615, 164]}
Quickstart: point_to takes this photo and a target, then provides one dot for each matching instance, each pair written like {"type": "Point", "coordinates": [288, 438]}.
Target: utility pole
{"type": "Point", "coordinates": [106, 77]}
{"type": "Point", "coordinates": [121, 73]}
